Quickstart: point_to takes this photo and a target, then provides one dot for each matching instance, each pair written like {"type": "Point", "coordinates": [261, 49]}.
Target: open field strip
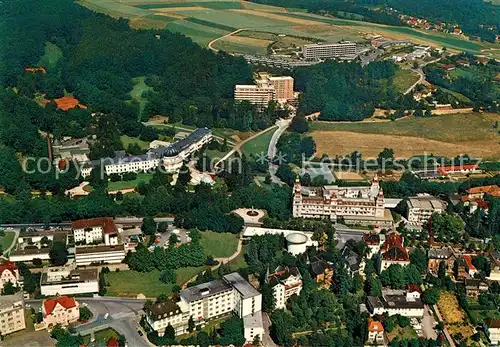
{"type": "Point", "coordinates": [447, 135]}
{"type": "Point", "coordinates": [240, 44]}
{"type": "Point", "coordinates": [114, 8]}
{"type": "Point", "coordinates": [200, 34]}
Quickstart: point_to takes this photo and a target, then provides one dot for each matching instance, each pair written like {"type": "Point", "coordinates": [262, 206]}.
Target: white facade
{"type": "Point", "coordinates": [259, 95]}
{"type": "Point", "coordinates": [494, 335]}
{"type": "Point", "coordinates": [12, 313]}
{"type": "Point", "coordinates": [397, 302]}
{"type": "Point", "coordinates": [60, 310]}
{"type": "Point", "coordinates": [89, 235]}
{"type": "Point", "coordinates": [285, 283]}
{"type": "Point", "coordinates": [333, 201]}
{"type": "Point", "coordinates": [420, 209]}
{"type": "Point", "coordinates": [253, 326]}
{"type": "Point", "coordinates": [9, 273]}
{"type": "Point", "coordinates": [329, 50]}
{"type": "Point", "coordinates": [28, 257]}
{"type": "Point", "coordinates": [65, 281]}
{"type": "Point", "coordinates": [99, 254]}
{"type": "Point", "coordinates": [207, 301]}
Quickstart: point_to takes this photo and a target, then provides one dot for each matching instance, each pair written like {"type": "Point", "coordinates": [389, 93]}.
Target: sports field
{"type": "Point", "coordinates": [207, 20]}
{"type": "Point", "coordinates": [447, 135]}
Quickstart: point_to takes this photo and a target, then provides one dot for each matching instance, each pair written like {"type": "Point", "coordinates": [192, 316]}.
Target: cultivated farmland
{"type": "Point", "coordinates": [229, 15]}
{"type": "Point", "coordinates": [447, 135]}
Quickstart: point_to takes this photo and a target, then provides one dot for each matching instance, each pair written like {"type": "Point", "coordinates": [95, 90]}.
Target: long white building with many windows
{"type": "Point", "coordinates": [354, 204]}
{"type": "Point", "coordinates": [170, 157]}
{"type": "Point", "coordinates": [209, 301]}
{"type": "Point", "coordinates": [329, 50]}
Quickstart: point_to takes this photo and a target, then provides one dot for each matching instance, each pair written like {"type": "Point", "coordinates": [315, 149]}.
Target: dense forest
{"type": "Point", "coordinates": [475, 17]}
{"type": "Point", "coordinates": [346, 91]}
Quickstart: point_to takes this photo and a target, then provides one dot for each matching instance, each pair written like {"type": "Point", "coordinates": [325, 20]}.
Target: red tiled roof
{"type": "Point", "coordinates": [393, 248]}
{"type": "Point", "coordinates": [107, 224]}
{"type": "Point", "coordinates": [448, 66]}
{"type": "Point", "coordinates": [35, 69]}
{"type": "Point", "coordinates": [112, 342]}
{"type": "Point", "coordinates": [64, 301]}
{"type": "Point", "coordinates": [413, 288]}
{"type": "Point", "coordinates": [492, 189]}
{"type": "Point", "coordinates": [468, 261]}
{"type": "Point", "coordinates": [445, 169]}
{"type": "Point", "coordinates": [68, 102]}
{"type": "Point", "coordinates": [374, 326]}
{"type": "Point", "coordinates": [8, 265]}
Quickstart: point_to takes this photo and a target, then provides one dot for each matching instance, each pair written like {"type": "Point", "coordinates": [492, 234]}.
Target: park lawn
{"type": "Point", "coordinates": [51, 56]}
{"type": "Point", "coordinates": [7, 240]}
{"type": "Point", "coordinates": [141, 177]}
{"type": "Point", "coordinates": [130, 283]}
{"type": "Point", "coordinates": [258, 145]}
{"type": "Point", "coordinates": [402, 333]}
{"type": "Point", "coordinates": [127, 140]}
{"type": "Point", "coordinates": [404, 79]}
{"type": "Point", "coordinates": [219, 245]}
{"type": "Point", "coordinates": [239, 262]}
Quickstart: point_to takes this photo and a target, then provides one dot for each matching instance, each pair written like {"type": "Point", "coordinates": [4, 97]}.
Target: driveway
{"type": "Point", "coordinates": [267, 341]}
{"type": "Point", "coordinates": [428, 323]}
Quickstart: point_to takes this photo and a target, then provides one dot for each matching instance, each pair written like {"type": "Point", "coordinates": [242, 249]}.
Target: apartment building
{"type": "Point", "coordinates": [405, 303]}
{"type": "Point", "coordinates": [170, 157]}
{"type": "Point", "coordinates": [207, 301]}
{"type": "Point", "coordinates": [61, 310]}
{"type": "Point", "coordinates": [421, 208]}
{"type": "Point", "coordinates": [266, 89]}
{"type": "Point", "coordinates": [493, 331]}
{"type": "Point", "coordinates": [12, 313]}
{"type": "Point", "coordinates": [9, 273]}
{"type": "Point", "coordinates": [393, 252]}
{"type": "Point", "coordinates": [329, 50]}
{"type": "Point", "coordinates": [67, 281]}
{"type": "Point", "coordinates": [285, 282]}
{"type": "Point", "coordinates": [355, 204]}
{"type": "Point", "coordinates": [95, 230]}
{"type": "Point", "coordinates": [99, 254]}
{"type": "Point", "coordinates": [283, 87]}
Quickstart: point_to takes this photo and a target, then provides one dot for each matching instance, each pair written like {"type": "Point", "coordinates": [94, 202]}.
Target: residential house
{"type": "Point", "coordinates": [355, 264]}
{"type": "Point", "coordinates": [375, 333]}
{"type": "Point", "coordinates": [393, 252]}
{"type": "Point", "coordinates": [9, 273]}
{"type": "Point", "coordinates": [436, 256]}
{"type": "Point", "coordinates": [61, 310]}
{"type": "Point", "coordinates": [495, 266]}
{"type": "Point", "coordinates": [474, 287]}
{"type": "Point", "coordinates": [321, 271]}
{"type": "Point", "coordinates": [493, 330]}
{"type": "Point", "coordinates": [285, 281]}
{"type": "Point", "coordinates": [469, 267]}
{"type": "Point", "coordinates": [373, 241]}
{"type": "Point", "coordinates": [12, 313]}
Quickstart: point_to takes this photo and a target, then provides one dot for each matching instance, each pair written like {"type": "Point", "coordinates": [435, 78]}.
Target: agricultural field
{"type": "Point", "coordinates": [219, 245]}
{"type": "Point", "coordinates": [404, 79]}
{"type": "Point", "coordinates": [447, 135]}
{"type": "Point", "coordinates": [216, 18]}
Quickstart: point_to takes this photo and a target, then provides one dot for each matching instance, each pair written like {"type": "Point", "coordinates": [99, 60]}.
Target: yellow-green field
{"type": "Point", "coordinates": [206, 20]}
{"type": "Point", "coordinates": [447, 135]}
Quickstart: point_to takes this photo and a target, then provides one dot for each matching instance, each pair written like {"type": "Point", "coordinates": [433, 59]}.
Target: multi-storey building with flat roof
{"type": "Point", "coordinates": [283, 87]}
{"type": "Point", "coordinates": [206, 301]}
{"type": "Point", "coordinates": [421, 208]}
{"type": "Point", "coordinates": [265, 89]}
{"type": "Point", "coordinates": [12, 313]}
{"type": "Point", "coordinates": [354, 204]}
{"type": "Point", "coordinates": [394, 302]}
{"type": "Point", "coordinates": [95, 230]}
{"type": "Point", "coordinates": [329, 50]}
{"type": "Point", "coordinates": [99, 254]}
{"type": "Point", "coordinates": [66, 281]}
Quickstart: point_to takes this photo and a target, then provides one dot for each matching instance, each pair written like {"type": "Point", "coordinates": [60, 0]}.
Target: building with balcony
{"type": "Point", "coordinates": [285, 282]}
{"type": "Point", "coordinates": [12, 313]}
{"type": "Point", "coordinates": [317, 51]}
{"type": "Point", "coordinates": [421, 208]}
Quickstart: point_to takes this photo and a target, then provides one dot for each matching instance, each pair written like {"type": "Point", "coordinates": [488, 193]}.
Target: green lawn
{"type": "Point", "coordinates": [142, 177]}
{"type": "Point", "coordinates": [102, 336]}
{"type": "Point", "coordinates": [51, 56]}
{"type": "Point", "coordinates": [130, 283]}
{"type": "Point", "coordinates": [404, 79]}
{"type": "Point", "coordinates": [402, 333]}
{"type": "Point", "coordinates": [239, 262]}
{"type": "Point", "coordinates": [219, 245]}
{"type": "Point", "coordinates": [140, 87]}
{"type": "Point", "coordinates": [127, 140]}
{"type": "Point", "coordinates": [258, 145]}
{"type": "Point", "coordinates": [7, 240]}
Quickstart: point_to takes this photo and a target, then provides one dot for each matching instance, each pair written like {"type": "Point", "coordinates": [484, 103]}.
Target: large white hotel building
{"type": "Point", "coordinates": [171, 157]}
{"type": "Point", "coordinates": [265, 89]}
{"type": "Point", "coordinates": [357, 205]}
{"type": "Point", "coordinates": [329, 50]}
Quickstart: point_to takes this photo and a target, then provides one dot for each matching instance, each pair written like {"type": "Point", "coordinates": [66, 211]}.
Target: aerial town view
{"type": "Point", "coordinates": [249, 173]}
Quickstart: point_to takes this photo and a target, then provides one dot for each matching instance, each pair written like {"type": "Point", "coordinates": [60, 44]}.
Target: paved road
{"type": "Point", "coordinates": [271, 152]}
{"type": "Point", "coordinates": [266, 339]}
{"type": "Point", "coordinates": [428, 324]}
{"type": "Point", "coordinates": [446, 333]}
{"type": "Point", "coordinates": [421, 74]}
{"type": "Point", "coordinates": [210, 44]}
